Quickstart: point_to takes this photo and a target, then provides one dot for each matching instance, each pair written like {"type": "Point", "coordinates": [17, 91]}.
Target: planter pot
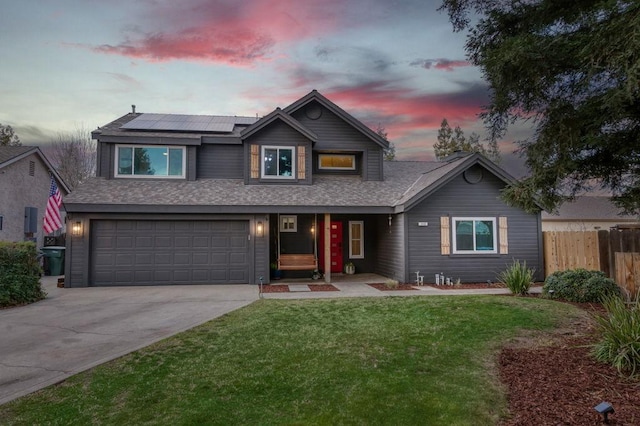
{"type": "Point", "coordinates": [276, 274]}
{"type": "Point", "coordinates": [350, 269]}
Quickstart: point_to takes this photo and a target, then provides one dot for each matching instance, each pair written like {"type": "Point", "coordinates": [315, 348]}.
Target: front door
{"type": "Point", "coordinates": [336, 246]}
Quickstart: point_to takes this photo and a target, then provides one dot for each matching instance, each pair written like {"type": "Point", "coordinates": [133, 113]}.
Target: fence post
{"type": "Point", "coordinates": [604, 252]}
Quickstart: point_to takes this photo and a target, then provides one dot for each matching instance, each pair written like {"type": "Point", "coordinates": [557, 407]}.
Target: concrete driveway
{"type": "Point", "coordinates": [75, 329]}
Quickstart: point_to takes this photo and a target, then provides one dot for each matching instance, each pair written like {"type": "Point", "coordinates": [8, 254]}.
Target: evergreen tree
{"type": "Point", "coordinates": [8, 136]}
{"type": "Point", "coordinates": [450, 141]}
{"type": "Point", "coordinates": [571, 70]}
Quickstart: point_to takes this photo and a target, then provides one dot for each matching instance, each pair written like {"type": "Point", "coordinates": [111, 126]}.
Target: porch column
{"type": "Point", "coordinates": [327, 248]}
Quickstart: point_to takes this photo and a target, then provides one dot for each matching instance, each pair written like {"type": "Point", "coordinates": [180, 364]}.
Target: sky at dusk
{"type": "Point", "coordinates": [69, 64]}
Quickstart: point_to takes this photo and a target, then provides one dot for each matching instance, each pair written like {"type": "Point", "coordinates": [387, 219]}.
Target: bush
{"type": "Point", "coordinates": [19, 274]}
{"type": "Point", "coordinates": [579, 285]}
{"type": "Point", "coordinates": [620, 335]}
{"type": "Point", "coordinates": [391, 284]}
{"type": "Point", "coordinates": [517, 277]}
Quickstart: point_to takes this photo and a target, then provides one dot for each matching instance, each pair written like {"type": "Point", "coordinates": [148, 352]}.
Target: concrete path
{"type": "Point", "coordinates": [75, 329]}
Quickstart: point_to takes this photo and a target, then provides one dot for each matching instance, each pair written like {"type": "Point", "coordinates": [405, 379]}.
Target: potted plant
{"type": "Point", "coordinates": [349, 268]}
{"type": "Point", "coordinates": [276, 273]}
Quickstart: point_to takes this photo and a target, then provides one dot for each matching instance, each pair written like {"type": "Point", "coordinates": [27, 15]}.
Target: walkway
{"type": "Point", "coordinates": [357, 286]}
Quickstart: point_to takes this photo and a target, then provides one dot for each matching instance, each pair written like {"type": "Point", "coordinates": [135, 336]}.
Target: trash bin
{"type": "Point", "coordinates": [54, 256]}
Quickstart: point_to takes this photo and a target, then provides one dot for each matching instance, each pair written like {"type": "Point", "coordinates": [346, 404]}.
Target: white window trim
{"type": "Point", "coordinates": [134, 176]}
{"type": "Point", "coordinates": [278, 147]}
{"type": "Point", "coordinates": [282, 222]}
{"type": "Point", "coordinates": [353, 160]}
{"type": "Point", "coordinates": [351, 255]}
{"type": "Point", "coordinates": [454, 240]}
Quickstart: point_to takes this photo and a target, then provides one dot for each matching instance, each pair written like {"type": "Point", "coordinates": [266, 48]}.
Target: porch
{"type": "Point", "coordinates": [331, 244]}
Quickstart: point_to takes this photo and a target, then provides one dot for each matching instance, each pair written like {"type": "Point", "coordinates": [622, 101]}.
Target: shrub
{"type": "Point", "coordinates": [392, 284]}
{"type": "Point", "coordinates": [579, 285]}
{"type": "Point", "coordinates": [517, 277]}
{"type": "Point", "coordinates": [19, 274]}
{"type": "Point", "coordinates": [619, 330]}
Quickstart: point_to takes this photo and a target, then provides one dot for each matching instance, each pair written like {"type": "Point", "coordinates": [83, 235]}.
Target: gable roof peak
{"type": "Point", "coordinates": [316, 96]}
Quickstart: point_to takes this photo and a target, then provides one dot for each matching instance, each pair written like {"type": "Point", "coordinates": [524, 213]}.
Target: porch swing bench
{"type": "Point", "coordinates": [297, 262]}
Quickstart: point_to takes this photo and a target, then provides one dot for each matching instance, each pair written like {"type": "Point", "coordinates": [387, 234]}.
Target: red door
{"type": "Point", "coordinates": [336, 246]}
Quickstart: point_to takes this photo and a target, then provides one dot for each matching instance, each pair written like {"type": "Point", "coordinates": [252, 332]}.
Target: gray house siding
{"type": "Point", "coordinates": [335, 134]}
{"type": "Point", "coordinates": [391, 251]}
{"type": "Point", "coordinates": [77, 254]}
{"type": "Point", "coordinates": [105, 160]}
{"type": "Point", "coordinates": [374, 164]}
{"type": "Point", "coordinates": [461, 199]}
{"type": "Point", "coordinates": [278, 134]}
{"type": "Point", "coordinates": [220, 162]}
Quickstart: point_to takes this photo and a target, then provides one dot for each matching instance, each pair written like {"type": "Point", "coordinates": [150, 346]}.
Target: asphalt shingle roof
{"type": "Point", "coordinates": [8, 153]}
{"type": "Point", "coordinates": [402, 181]}
{"type": "Point", "coordinates": [587, 208]}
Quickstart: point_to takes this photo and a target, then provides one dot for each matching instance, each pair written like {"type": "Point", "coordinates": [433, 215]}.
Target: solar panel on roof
{"type": "Point", "coordinates": [187, 123]}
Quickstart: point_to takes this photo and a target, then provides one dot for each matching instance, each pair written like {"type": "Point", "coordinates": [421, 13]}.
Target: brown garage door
{"type": "Point", "coordinates": [155, 252]}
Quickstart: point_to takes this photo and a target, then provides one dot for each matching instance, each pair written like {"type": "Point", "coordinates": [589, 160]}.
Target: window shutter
{"type": "Point", "coordinates": [504, 241]}
{"type": "Point", "coordinates": [301, 163]}
{"type": "Point", "coordinates": [445, 244]}
{"type": "Point", "coordinates": [255, 161]}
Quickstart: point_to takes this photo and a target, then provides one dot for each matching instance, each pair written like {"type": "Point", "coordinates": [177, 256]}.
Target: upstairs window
{"type": "Point", "coordinates": [474, 235]}
{"type": "Point", "coordinates": [150, 161]}
{"type": "Point", "coordinates": [278, 162]}
{"type": "Point", "coordinates": [336, 162]}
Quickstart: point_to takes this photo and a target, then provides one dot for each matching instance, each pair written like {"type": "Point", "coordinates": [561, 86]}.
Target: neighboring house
{"type": "Point", "coordinates": [216, 200]}
{"type": "Point", "coordinates": [586, 213]}
{"type": "Point", "coordinates": [25, 181]}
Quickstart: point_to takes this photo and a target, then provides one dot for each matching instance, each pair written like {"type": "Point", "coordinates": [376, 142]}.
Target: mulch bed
{"type": "Point", "coordinates": [467, 286]}
{"type": "Point", "coordinates": [384, 287]}
{"type": "Point", "coordinates": [322, 287]}
{"type": "Point", "coordinates": [284, 288]}
{"type": "Point", "coordinates": [560, 383]}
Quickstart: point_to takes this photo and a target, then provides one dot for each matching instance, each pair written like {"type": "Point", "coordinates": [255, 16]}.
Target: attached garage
{"type": "Point", "coordinates": [156, 252]}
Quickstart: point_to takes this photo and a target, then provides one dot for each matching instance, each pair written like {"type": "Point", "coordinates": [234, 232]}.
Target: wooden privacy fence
{"type": "Point", "coordinates": [570, 250]}
{"type": "Point", "coordinates": [616, 252]}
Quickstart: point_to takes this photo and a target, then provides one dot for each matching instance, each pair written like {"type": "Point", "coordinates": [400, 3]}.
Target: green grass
{"type": "Point", "coordinates": [404, 360]}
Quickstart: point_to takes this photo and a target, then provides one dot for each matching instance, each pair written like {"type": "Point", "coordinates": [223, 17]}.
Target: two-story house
{"type": "Point", "coordinates": [182, 199]}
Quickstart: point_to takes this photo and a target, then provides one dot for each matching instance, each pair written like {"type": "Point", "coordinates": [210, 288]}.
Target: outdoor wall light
{"type": "Point", "coordinates": [76, 229]}
{"type": "Point", "coordinates": [605, 408]}
{"type": "Point", "coordinates": [259, 229]}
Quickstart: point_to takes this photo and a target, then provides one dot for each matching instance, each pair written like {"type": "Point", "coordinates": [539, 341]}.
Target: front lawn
{"type": "Point", "coordinates": [403, 360]}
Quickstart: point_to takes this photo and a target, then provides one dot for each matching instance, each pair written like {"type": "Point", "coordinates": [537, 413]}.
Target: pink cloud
{"type": "Point", "coordinates": [440, 64]}
{"type": "Point", "coordinates": [236, 33]}
{"type": "Point", "coordinates": [404, 111]}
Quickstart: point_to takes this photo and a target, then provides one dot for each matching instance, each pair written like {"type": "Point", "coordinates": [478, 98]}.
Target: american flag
{"type": "Point", "coordinates": [52, 220]}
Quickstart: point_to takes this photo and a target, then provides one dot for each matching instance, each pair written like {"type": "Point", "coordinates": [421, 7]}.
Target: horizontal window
{"type": "Point", "coordinates": [150, 161]}
{"type": "Point", "coordinates": [474, 235]}
{"type": "Point", "coordinates": [278, 162]}
{"type": "Point", "coordinates": [336, 162]}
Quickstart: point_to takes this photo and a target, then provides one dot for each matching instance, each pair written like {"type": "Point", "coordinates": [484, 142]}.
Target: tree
{"type": "Point", "coordinates": [450, 141]}
{"type": "Point", "coordinates": [389, 153]}
{"type": "Point", "coordinates": [8, 136]}
{"type": "Point", "coordinates": [73, 154]}
{"type": "Point", "coordinates": [572, 71]}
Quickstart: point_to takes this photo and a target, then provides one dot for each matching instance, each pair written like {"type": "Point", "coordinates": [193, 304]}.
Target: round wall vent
{"type": "Point", "coordinates": [473, 175]}
{"type": "Point", "coordinates": [313, 111]}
